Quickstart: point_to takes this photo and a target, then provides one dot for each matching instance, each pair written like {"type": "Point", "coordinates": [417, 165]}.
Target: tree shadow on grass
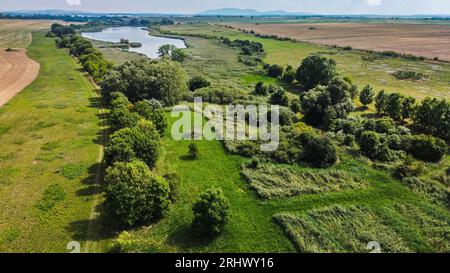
{"type": "Point", "coordinates": [187, 158]}
{"type": "Point", "coordinates": [93, 187]}
{"type": "Point", "coordinates": [186, 236]}
{"type": "Point", "coordinates": [99, 228]}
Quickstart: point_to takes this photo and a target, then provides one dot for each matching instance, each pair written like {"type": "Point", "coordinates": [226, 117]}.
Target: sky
{"type": "Point", "coordinates": [381, 7]}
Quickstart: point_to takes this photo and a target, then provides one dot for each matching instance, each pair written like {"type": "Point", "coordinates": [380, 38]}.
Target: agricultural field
{"type": "Point", "coordinates": [363, 68]}
{"type": "Point", "coordinates": [417, 39]}
{"type": "Point", "coordinates": [50, 139]}
{"type": "Point", "coordinates": [16, 72]}
{"type": "Point", "coordinates": [17, 33]}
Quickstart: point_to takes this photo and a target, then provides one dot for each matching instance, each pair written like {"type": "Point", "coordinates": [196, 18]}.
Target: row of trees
{"type": "Point", "coordinates": [91, 59]}
{"type": "Point", "coordinates": [134, 193]}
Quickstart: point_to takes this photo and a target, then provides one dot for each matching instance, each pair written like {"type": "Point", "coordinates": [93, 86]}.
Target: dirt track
{"type": "Point", "coordinates": [16, 72]}
{"type": "Point", "coordinates": [418, 39]}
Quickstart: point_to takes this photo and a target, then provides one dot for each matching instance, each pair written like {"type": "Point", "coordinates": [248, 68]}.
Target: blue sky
{"type": "Point", "coordinates": [390, 7]}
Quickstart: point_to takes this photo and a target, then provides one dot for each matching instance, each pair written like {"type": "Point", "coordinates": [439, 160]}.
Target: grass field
{"type": "Point", "coordinates": [417, 39]}
{"type": "Point", "coordinates": [377, 73]}
{"type": "Point", "coordinates": [50, 137]}
{"type": "Point", "coordinates": [253, 224]}
{"type": "Point", "coordinates": [17, 33]}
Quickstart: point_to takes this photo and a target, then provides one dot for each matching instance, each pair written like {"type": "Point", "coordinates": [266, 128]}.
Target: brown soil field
{"type": "Point", "coordinates": [17, 33]}
{"type": "Point", "coordinates": [418, 39]}
{"type": "Point", "coordinates": [16, 72]}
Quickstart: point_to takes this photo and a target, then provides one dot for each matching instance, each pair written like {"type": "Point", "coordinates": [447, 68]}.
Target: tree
{"type": "Point", "coordinates": [122, 117]}
{"type": "Point", "coordinates": [275, 71]}
{"type": "Point", "coordinates": [178, 55]}
{"type": "Point", "coordinates": [369, 142]}
{"type": "Point", "coordinates": [295, 106]}
{"type": "Point", "coordinates": [198, 82]}
{"type": "Point", "coordinates": [165, 51]}
{"type": "Point", "coordinates": [260, 89]}
{"type": "Point", "coordinates": [366, 95]}
{"type": "Point", "coordinates": [393, 106]}
{"type": "Point", "coordinates": [141, 79]}
{"type": "Point", "coordinates": [380, 102]}
{"type": "Point", "coordinates": [193, 151]}
{"type": "Point", "coordinates": [289, 75]}
{"type": "Point", "coordinates": [316, 70]}
{"type": "Point", "coordinates": [279, 98]}
{"type": "Point", "coordinates": [146, 110]}
{"type": "Point", "coordinates": [211, 211]}
{"type": "Point", "coordinates": [134, 195]}
{"type": "Point", "coordinates": [319, 152]}
{"type": "Point", "coordinates": [327, 103]}
{"type": "Point", "coordinates": [139, 142]}
{"type": "Point", "coordinates": [432, 117]}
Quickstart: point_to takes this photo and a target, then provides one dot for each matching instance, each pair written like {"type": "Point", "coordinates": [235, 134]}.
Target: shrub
{"type": "Point", "coordinates": [295, 106]}
{"type": "Point", "coordinates": [316, 70]}
{"type": "Point", "coordinates": [275, 71]}
{"type": "Point", "coordinates": [211, 211]}
{"type": "Point", "coordinates": [369, 142]}
{"type": "Point", "coordinates": [319, 152]}
{"type": "Point", "coordinates": [426, 148]}
{"type": "Point", "coordinates": [288, 75]}
{"type": "Point", "coordinates": [173, 180]}
{"type": "Point", "coordinates": [366, 95]}
{"type": "Point", "coordinates": [409, 168]}
{"type": "Point", "coordinates": [279, 98]}
{"type": "Point", "coordinates": [260, 89]}
{"type": "Point", "coordinates": [193, 151]}
{"type": "Point", "coordinates": [198, 82]}
{"type": "Point", "coordinates": [133, 194]}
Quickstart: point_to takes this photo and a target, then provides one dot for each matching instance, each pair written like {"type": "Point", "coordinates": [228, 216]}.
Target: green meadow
{"type": "Point", "coordinates": [50, 143]}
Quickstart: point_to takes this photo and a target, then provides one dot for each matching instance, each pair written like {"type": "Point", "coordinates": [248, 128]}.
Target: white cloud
{"type": "Point", "coordinates": [373, 2]}
{"type": "Point", "coordinates": [73, 2]}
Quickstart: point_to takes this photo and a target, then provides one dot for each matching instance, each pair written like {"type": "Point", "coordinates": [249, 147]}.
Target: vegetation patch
{"type": "Point", "coordinates": [72, 171]}
{"type": "Point", "coordinates": [10, 235]}
{"type": "Point", "coordinates": [434, 228]}
{"type": "Point", "coordinates": [339, 229]}
{"type": "Point", "coordinates": [410, 75]}
{"type": "Point", "coordinates": [431, 189]}
{"type": "Point", "coordinates": [53, 195]}
{"type": "Point", "coordinates": [272, 181]}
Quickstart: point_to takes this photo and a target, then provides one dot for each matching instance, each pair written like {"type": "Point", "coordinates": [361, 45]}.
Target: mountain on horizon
{"type": "Point", "coordinates": [249, 12]}
{"type": "Point", "coordinates": [51, 12]}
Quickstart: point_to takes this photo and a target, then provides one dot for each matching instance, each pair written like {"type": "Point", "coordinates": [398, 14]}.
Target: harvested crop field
{"type": "Point", "coordinates": [17, 33]}
{"type": "Point", "coordinates": [16, 72]}
{"type": "Point", "coordinates": [417, 39]}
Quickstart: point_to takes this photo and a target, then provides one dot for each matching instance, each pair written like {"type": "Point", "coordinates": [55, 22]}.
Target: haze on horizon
{"type": "Point", "coordinates": [331, 7]}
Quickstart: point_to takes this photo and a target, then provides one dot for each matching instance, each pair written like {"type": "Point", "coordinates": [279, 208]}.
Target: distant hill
{"type": "Point", "coordinates": [249, 12]}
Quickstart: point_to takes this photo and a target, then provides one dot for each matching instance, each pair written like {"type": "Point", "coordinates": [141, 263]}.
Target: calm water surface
{"type": "Point", "coordinates": [150, 44]}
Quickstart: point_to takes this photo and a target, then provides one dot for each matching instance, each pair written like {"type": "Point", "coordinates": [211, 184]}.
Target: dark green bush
{"type": "Point", "coordinates": [211, 212]}
{"type": "Point", "coordinates": [133, 194]}
{"type": "Point", "coordinates": [173, 180]}
{"type": "Point", "coordinates": [319, 152]}
{"type": "Point", "coordinates": [193, 151]}
{"type": "Point", "coordinates": [198, 82]}
{"type": "Point", "coordinates": [426, 148]}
